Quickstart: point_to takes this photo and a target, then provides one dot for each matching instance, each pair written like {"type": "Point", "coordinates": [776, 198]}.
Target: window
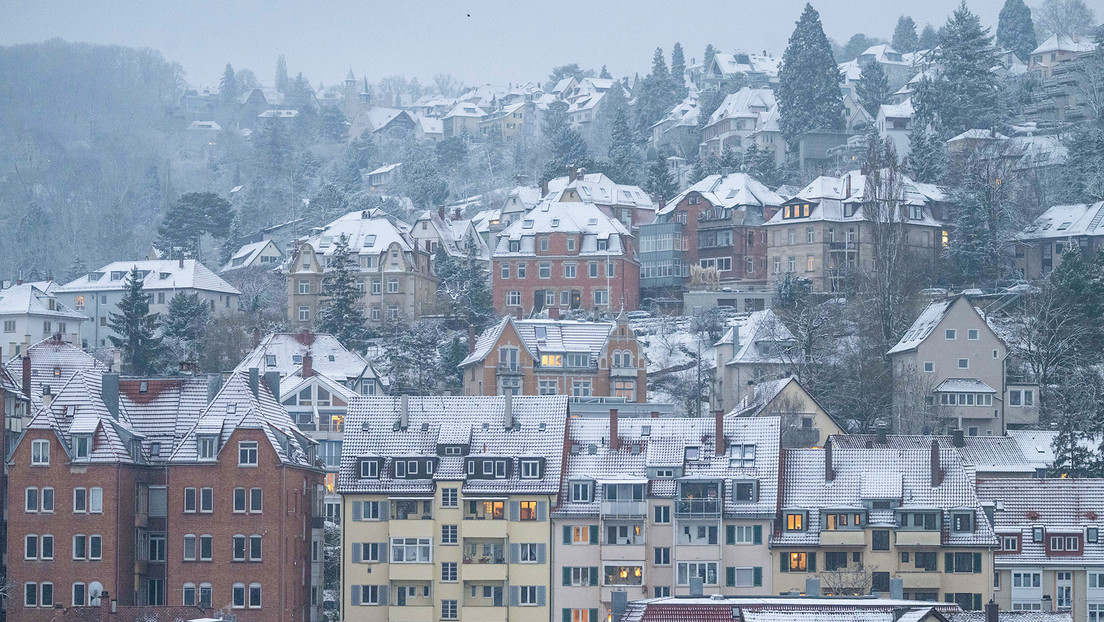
{"type": "Point", "coordinates": [80, 595]}
{"type": "Point", "coordinates": [30, 546]}
{"type": "Point", "coordinates": [529, 553]}
{"type": "Point", "coordinates": [449, 609]}
{"type": "Point", "coordinates": [95, 547]}
{"type": "Point", "coordinates": [580, 388]}
{"type": "Point", "coordinates": [504, 272]}
{"type": "Point", "coordinates": [256, 500]}
{"type": "Point", "coordinates": [304, 314]}
{"type": "Point", "coordinates": [513, 298]}
{"type": "Point", "coordinates": [156, 548]}
{"type": "Point", "coordinates": [31, 500]}
{"type": "Point", "coordinates": [411, 550]}
{"type": "Point", "coordinates": [962, 522]}
{"type": "Point", "coordinates": [951, 334]}
{"type": "Point", "coordinates": [238, 599]}
{"type": "Point", "coordinates": [82, 446]}
{"type": "Point", "coordinates": [46, 594]}
{"type": "Point", "coordinates": [972, 334]}
{"type": "Point", "coordinates": [190, 500]}
{"type": "Point", "coordinates": [662, 515]}
{"type": "Point", "coordinates": [1065, 543]}
{"type": "Point", "coordinates": [95, 500]}
{"type": "Point", "coordinates": [206, 447]}
{"type": "Point", "coordinates": [247, 453]}
{"type": "Point", "coordinates": [205, 547]}
{"type": "Point", "coordinates": [528, 595]}
{"type": "Point", "coordinates": [80, 546]}
{"type": "Point", "coordinates": [521, 270]}
{"type": "Point", "coordinates": [206, 500]}
{"type": "Point", "coordinates": [706, 571]}
{"type": "Point", "coordinates": [530, 469]}
{"type": "Point", "coordinates": [544, 270]}
{"type": "Point", "coordinates": [449, 498]}
{"type": "Point", "coordinates": [255, 548]}
{"type": "Point", "coordinates": [964, 363]}
{"type": "Point", "coordinates": [569, 270]}
{"type": "Point", "coordinates": [40, 454]}
{"type": "Point", "coordinates": [810, 263]}
{"type": "Point", "coordinates": [929, 366]}
{"type": "Point", "coordinates": [448, 572]}
{"type": "Point", "coordinates": [743, 577]}
{"type": "Point", "coordinates": [744, 492]}
{"type": "Point", "coordinates": [369, 469]}
{"type": "Point", "coordinates": [795, 521]}
{"type": "Point", "coordinates": [580, 491]}
{"type": "Point", "coordinates": [392, 285]}
{"type": "Point", "coordinates": [448, 534]}
{"type": "Point", "coordinates": [662, 555]}
{"type": "Point", "coordinates": [797, 562]}
{"type": "Point", "coordinates": [239, 499]}
{"type": "Point", "coordinates": [80, 500]}
{"type": "Point", "coordinates": [741, 456]}
{"type": "Point", "coordinates": [880, 540]}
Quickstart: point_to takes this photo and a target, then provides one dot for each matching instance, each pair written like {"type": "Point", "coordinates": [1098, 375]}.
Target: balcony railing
{"type": "Point", "coordinates": [624, 508]}
{"type": "Point", "coordinates": [689, 508]}
{"type": "Point", "coordinates": [508, 369]}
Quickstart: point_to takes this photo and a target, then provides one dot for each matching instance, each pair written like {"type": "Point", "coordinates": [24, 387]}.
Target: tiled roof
{"type": "Point", "coordinates": [717, 608]}
{"type": "Point", "coordinates": [830, 193]}
{"type": "Point", "coordinates": [328, 356]}
{"type": "Point", "coordinates": [597, 188]}
{"type": "Point", "coordinates": [160, 274]}
{"type": "Point", "coordinates": [1058, 504]}
{"type": "Point", "coordinates": [554, 217]}
{"type": "Point", "coordinates": [1013, 616]}
{"type": "Point", "coordinates": [53, 363]}
{"type": "Point", "coordinates": [733, 190]}
{"type": "Point", "coordinates": [26, 299]}
{"type": "Point", "coordinates": [923, 326]}
{"type": "Point", "coordinates": [864, 474]}
{"type": "Point", "coordinates": [368, 232]}
{"type": "Point", "coordinates": [662, 442]}
{"type": "Point", "coordinates": [752, 336]}
{"type": "Point", "coordinates": [1063, 221]}
{"type": "Point", "coordinates": [972, 385]}
{"type": "Point", "coordinates": [370, 431]}
{"type": "Point", "coordinates": [133, 613]}
{"type": "Point", "coordinates": [553, 336]}
{"type": "Point", "coordinates": [987, 454]}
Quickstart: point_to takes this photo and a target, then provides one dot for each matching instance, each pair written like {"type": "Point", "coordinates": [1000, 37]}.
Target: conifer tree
{"type": "Point", "coordinates": [659, 182]}
{"type": "Point", "coordinates": [707, 58]}
{"type": "Point", "coordinates": [341, 314]}
{"type": "Point", "coordinates": [929, 38]}
{"type": "Point", "coordinates": [605, 74]}
{"type": "Point", "coordinates": [926, 152]}
{"type": "Point", "coordinates": [188, 218]}
{"type": "Point", "coordinates": [228, 85]}
{"type": "Point", "coordinates": [808, 83]}
{"type": "Point", "coordinates": [678, 70]}
{"type": "Point", "coordinates": [184, 326]}
{"type": "Point", "coordinates": [966, 92]}
{"type": "Point", "coordinates": [565, 146]}
{"type": "Point", "coordinates": [905, 39]}
{"type": "Point", "coordinates": [1015, 30]}
{"type": "Point", "coordinates": [624, 161]}
{"type": "Point", "coordinates": [658, 94]}
{"type": "Point", "coordinates": [135, 328]}
{"type": "Point", "coordinates": [76, 269]}
{"type": "Point", "coordinates": [281, 74]}
{"type": "Point", "coordinates": [465, 286]}
{"type": "Point", "coordinates": [873, 87]}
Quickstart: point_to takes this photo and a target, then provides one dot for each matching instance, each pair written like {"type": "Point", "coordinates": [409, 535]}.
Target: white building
{"type": "Point", "coordinates": [30, 312]}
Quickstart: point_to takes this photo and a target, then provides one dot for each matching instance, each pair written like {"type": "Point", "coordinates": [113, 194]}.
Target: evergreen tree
{"type": "Point", "coordinates": [565, 146]}
{"type": "Point", "coordinates": [856, 45]}
{"type": "Point", "coordinates": [188, 218]}
{"type": "Point", "coordinates": [926, 152]}
{"type": "Point", "coordinates": [659, 182]}
{"type": "Point", "coordinates": [184, 327]}
{"type": "Point", "coordinates": [658, 94]}
{"type": "Point", "coordinates": [341, 314]}
{"type": "Point", "coordinates": [1083, 175]}
{"type": "Point", "coordinates": [136, 328]}
{"type": "Point", "coordinates": [605, 74]}
{"type": "Point", "coordinates": [904, 35]}
{"type": "Point", "coordinates": [1015, 30]}
{"type": "Point", "coordinates": [333, 125]}
{"type": "Point", "coordinates": [873, 87]}
{"type": "Point", "coordinates": [761, 165]}
{"type": "Point", "coordinates": [624, 160]}
{"type": "Point", "coordinates": [678, 70]}
{"type": "Point", "coordinates": [707, 58]}
{"type": "Point", "coordinates": [281, 74]}
{"type": "Point", "coordinates": [451, 354]}
{"type": "Point", "coordinates": [465, 286]}
{"type": "Point", "coordinates": [421, 178]}
{"type": "Point", "coordinates": [298, 95]}
{"type": "Point", "coordinates": [228, 85]}
{"type": "Point", "coordinates": [76, 269]}
{"type": "Point", "coordinates": [966, 93]}
{"type": "Point", "coordinates": [929, 38]}
{"type": "Point", "coordinates": [808, 83]}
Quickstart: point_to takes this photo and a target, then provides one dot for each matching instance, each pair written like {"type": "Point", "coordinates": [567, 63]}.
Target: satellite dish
{"type": "Point", "coordinates": [95, 588]}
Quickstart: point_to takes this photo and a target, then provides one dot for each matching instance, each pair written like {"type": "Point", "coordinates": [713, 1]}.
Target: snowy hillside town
{"type": "Point", "coordinates": [811, 330]}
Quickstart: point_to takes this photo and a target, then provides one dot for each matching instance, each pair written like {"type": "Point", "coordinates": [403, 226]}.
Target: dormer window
{"type": "Point", "coordinates": [369, 469]}
{"type": "Point", "coordinates": [692, 453]}
{"type": "Point", "coordinates": [962, 522]}
{"type": "Point", "coordinates": [744, 492]}
{"type": "Point", "coordinates": [581, 492]}
{"type": "Point", "coordinates": [270, 360]}
{"type": "Point", "coordinates": [741, 456]}
{"type": "Point", "coordinates": [603, 244]}
{"type": "Point", "coordinates": [82, 446]}
{"type": "Point", "coordinates": [795, 521]}
{"type": "Point", "coordinates": [515, 246]}
{"type": "Point", "coordinates": [206, 447]}
{"type": "Point", "coordinates": [530, 469]}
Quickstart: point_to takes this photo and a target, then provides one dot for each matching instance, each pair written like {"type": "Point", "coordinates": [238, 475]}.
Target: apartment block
{"type": "Point", "coordinates": [648, 505]}
{"type": "Point", "coordinates": [447, 503]}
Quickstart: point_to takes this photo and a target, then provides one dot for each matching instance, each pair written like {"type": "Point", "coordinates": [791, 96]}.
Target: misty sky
{"type": "Point", "coordinates": [477, 41]}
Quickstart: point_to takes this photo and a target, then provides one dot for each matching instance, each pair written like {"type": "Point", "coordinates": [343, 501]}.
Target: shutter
{"type": "Point", "coordinates": [757, 578]}
{"type": "Point", "coordinates": [542, 511]}
{"type": "Point", "coordinates": [977, 567]}
{"type": "Point", "coordinates": [567, 534]}
{"type": "Point", "coordinates": [515, 553]}
{"type": "Point", "coordinates": [540, 553]}
{"type": "Point", "coordinates": [783, 558]}
{"type": "Point", "coordinates": [384, 592]}
{"type": "Point", "coordinates": [593, 615]}
{"type": "Point", "coordinates": [948, 562]}
{"type": "Point", "coordinates": [385, 510]}
{"type": "Point", "coordinates": [593, 534]}
{"type": "Point", "coordinates": [357, 548]}
{"type": "Point", "coordinates": [566, 578]}
{"type": "Point", "coordinates": [977, 602]}
{"type": "Point", "coordinates": [515, 510]}
{"type": "Point", "coordinates": [730, 576]}
{"type": "Point", "coordinates": [358, 510]}
{"type": "Point", "coordinates": [812, 562]}
{"type": "Point", "coordinates": [541, 595]}
{"type": "Point", "coordinates": [566, 614]}
{"type": "Point", "coordinates": [594, 575]}
{"type": "Point", "coordinates": [515, 596]}
{"type": "Point", "coordinates": [730, 534]}
{"type": "Point", "coordinates": [356, 594]}
{"type": "Point", "coordinates": [757, 534]}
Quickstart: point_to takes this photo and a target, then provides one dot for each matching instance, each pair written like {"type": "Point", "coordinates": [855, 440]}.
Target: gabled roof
{"type": "Point", "coordinates": [747, 102]}
{"type": "Point", "coordinates": [1063, 221]}
{"type": "Point", "coordinates": [248, 253]}
{"type": "Point", "coordinates": [599, 189]}
{"type": "Point", "coordinates": [53, 363]}
{"type": "Point", "coordinates": [1065, 43]}
{"type": "Point", "coordinates": [27, 299]}
{"type": "Point", "coordinates": [724, 608]}
{"type": "Point", "coordinates": [1060, 505]}
{"type": "Point", "coordinates": [987, 454]}
{"type": "Point", "coordinates": [328, 356]}
{"type": "Point", "coordinates": [160, 274]}
{"type": "Point", "coordinates": [928, 319]}
{"type": "Point", "coordinates": [368, 232]}
{"type": "Point", "coordinates": [751, 335]}
{"type": "Point", "coordinates": [829, 194]}
{"type": "Point", "coordinates": [549, 336]}
{"type": "Point", "coordinates": [735, 190]}
{"type": "Point", "coordinates": [555, 217]}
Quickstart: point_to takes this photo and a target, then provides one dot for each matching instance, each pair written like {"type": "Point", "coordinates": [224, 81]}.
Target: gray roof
{"type": "Point", "coordinates": [53, 363]}
{"type": "Point", "coordinates": [923, 325]}
{"type": "Point", "coordinates": [581, 218]}
{"type": "Point", "coordinates": [554, 336]}
{"type": "Point", "coordinates": [756, 338]}
{"type": "Point", "coordinates": [370, 431]}
{"type": "Point", "coordinates": [1063, 221]}
{"type": "Point", "coordinates": [829, 194]}
{"type": "Point", "coordinates": [733, 190]}
{"type": "Point", "coordinates": [27, 299]}
{"type": "Point", "coordinates": [986, 454]}
{"type": "Point", "coordinates": [1014, 616]}
{"type": "Point", "coordinates": [957, 385]}
{"type": "Point", "coordinates": [160, 274]}
{"type": "Point", "coordinates": [328, 356]}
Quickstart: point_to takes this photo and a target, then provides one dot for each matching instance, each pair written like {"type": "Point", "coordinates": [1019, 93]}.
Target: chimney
{"type": "Point", "coordinates": [441, 212]}
{"type": "Point", "coordinates": [812, 586]}
{"type": "Point", "coordinates": [958, 439]}
{"type": "Point", "coordinates": [272, 381]}
{"type": "Point", "coordinates": [181, 263]}
{"type": "Point", "coordinates": [829, 473]}
{"type": "Point", "coordinates": [256, 337]}
{"type": "Point", "coordinates": [404, 411]}
{"type": "Point", "coordinates": [456, 213]}
{"type": "Point", "coordinates": [254, 380]}
{"type": "Point", "coordinates": [697, 587]}
{"type": "Point", "coordinates": [992, 612]}
{"type": "Point", "coordinates": [308, 365]}
{"type": "Point", "coordinates": [519, 314]}
{"type": "Point", "coordinates": [936, 471]}
{"type": "Point", "coordinates": [897, 588]}
{"type": "Point", "coordinates": [109, 393]}
{"type": "Point", "coordinates": [620, 604]}
{"type": "Point", "coordinates": [27, 374]}
{"type": "Point", "coordinates": [718, 433]}
{"type": "Point", "coordinates": [661, 202]}
{"type": "Point", "coordinates": [47, 396]}
{"type": "Point", "coordinates": [572, 173]}
{"type": "Point", "coordinates": [214, 383]}
{"type": "Point", "coordinates": [508, 411]}
{"type": "Point", "coordinates": [615, 440]}
{"type": "Point", "coordinates": [883, 437]}
{"type": "Point", "coordinates": [553, 313]}
{"type": "Point", "coordinates": [544, 188]}
{"type": "Point", "coordinates": [471, 337]}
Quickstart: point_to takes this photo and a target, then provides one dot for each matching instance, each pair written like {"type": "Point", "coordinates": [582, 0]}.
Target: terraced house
{"type": "Point", "coordinates": [857, 518]}
{"type": "Point", "coordinates": [648, 505]}
{"type": "Point", "coordinates": [447, 505]}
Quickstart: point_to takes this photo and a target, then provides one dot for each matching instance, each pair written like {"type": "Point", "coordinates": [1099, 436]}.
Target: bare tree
{"type": "Point", "coordinates": [1044, 335]}
{"type": "Point", "coordinates": [849, 580]}
{"type": "Point", "coordinates": [447, 85]}
{"type": "Point", "coordinates": [1063, 17]}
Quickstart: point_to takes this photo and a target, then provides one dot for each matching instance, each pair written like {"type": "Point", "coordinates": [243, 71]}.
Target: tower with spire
{"type": "Point", "coordinates": [350, 95]}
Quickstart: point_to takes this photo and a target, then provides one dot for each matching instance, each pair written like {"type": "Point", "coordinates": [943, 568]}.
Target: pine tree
{"type": "Point", "coordinates": [659, 182]}
{"type": "Point", "coordinates": [1083, 175]}
{"type": "Point", "coordinates": [341, 314]}
{"type": "Point", "coordinates": [873, 87]}
{"type": "Point", "coordinates": [678, 70]}
{"type": "Point", "coordinates": [1015, 30]}
{"type": "Point", "coordinates": [465, 286]}
{"type": "Point", "coordinates": [451, 354]}
{"type": "Point", "coordinates": [184, 327]}
{"type": "Point", "coordinates": [565, 146]}
{"type": "Point", "coordinates": [624, 160]}
{"type": "Point", "coordinates": [228, 85]}
{"type": "Point", "coordinates": [658, 94]}
{"type": "Point", "coordinates": [605, 74]}
{"type": "Point", "coordinates": [760, 164]}
{"type": "Point", "coordinates": [76, 269]}
{"type": "Point", "coordinates": [188, 218]}
{"type": "Point", "coordinates": [136, 328]}
{"type": "Point", "coordinates": [927, 154]}
{"type": "Point", "coordinates": [281, 74]}
{"type": "Point", "coordinates": [966, 92]}
{"type": "Point", "coordinates": [929, 38]}
{"type": "Point", "coordinates": [808, 84]}
{"type": "Point", "coordinates": [904, 35]}
{"type": "Point", "coordinates": [707, 58]}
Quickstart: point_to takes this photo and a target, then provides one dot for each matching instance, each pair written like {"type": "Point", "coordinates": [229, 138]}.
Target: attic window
{"type": "Point", "coordinates": [82, 446]}
{"type": "Point", "coordinates": [270, 360]}
{"type": "Point", "coordinates": [231, 409]}
{"type": "Point", "coordinates": [555, 222]}
{"type": "Point", "coordinates": [527, 224]}
{"type": "Point", "coordinates": [369, 241]}
{"type": "Point", "coordinates": [325, 241]}
{"type": "Point", "coordinates": [1064, 225]}
{"type": "Point", "coordinates": [593, 222]}
{"type": "Point", "coordinates": [57, 372]}
{"type": "Point", "coordinates": [143, 387]}
{"type": "Point", "coordinates": [165, 275]}
{"type": "Point", "coordinates": [330, 358]}
{"type": "Point", "coordinates": [692, 453]}
{"type": "Point", "coordinates": [155, 449]}
{"type": "Point", "coordinates": [962, 522]}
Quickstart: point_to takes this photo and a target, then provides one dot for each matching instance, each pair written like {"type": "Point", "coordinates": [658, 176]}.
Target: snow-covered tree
{"type": "Point", "coordinates": [624, 158]}
{"type": "Point", "coordinates": [229, 88]}
{"type": "Point", "coordinates": [966, 92]}
{"type": "Point", "coordinates": [184, 327]}
{"type": "Point", "coordinates": [605, 74]}
{"type": "Point", "coordinates": [929, 37]}
{"type": "Point", "coordinates": [873, 87]}
{"type": "Point", "coordinates": [1015, 30]}
{"type": "Point", "coordinates": [341, 314]}
{"type": "Point", "coordinates": [658, 94]}
{"type": "Point", "coordinates": [565, 146]}
{"type": "Point", "coordinates": [658, 181]}
{"type": "Point", "coordinates": [678, 70]}
{"type": "Point", "coordinates": [188, 218]}
{"type": "Point", "coordinates": [410, 356]}
{"type": "Point", "coordinates": [136, 328]}
{"type": "Point", "coordinates": [281, 74]}
{"type": "Point", "coordinates": [421, 178]}
{"type": "Point", "coordinates": [465, 286]}
{"type": "Point", "coordinates": [905, 39]}
{"type": "Point", "coordinates": [808, 83]}
{"type": "Point", "coordinates": [927, 153]}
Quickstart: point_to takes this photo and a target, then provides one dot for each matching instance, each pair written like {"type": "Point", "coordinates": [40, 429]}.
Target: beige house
{"type": "Point", "coordinates": [825, 233]}
{"type": "Point", "coordinates": [949, 372]}
{"type": "Point", "coordinates": [756, 349]}
{"type": "Point", "coordinates": [260, 254]}
{"type": "Point", "coordinates": [394, 274]}
{"type": "Point", "coordinates": [804, 421]}
{"type": "Point", "coordinates": [1040, 245]}
{"type": "Point", "coordinates": [647, 505]}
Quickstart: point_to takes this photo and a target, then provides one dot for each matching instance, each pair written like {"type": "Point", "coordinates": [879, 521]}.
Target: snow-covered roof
{"type": "Point", "coordinates": [904, 475]}
{"type": "Point", "coordinates": [1013, 616]}
{"type": "Point", "coordinates": [747, 102]}
{"type": "Point", "coordinates": [923, 325]}
{"type": "Point", "coordinates": [732, 64]}
{"type": "Point", "coordinates": [661, 442]}
{"type": "Point", "coordinates": [208, 126]}
{"type": "Point", "coordinates": [760, 338]}
{"type": "Point", "coordinates": [963, 385]}
{"type": "Point", "coordinates": [550, 336]}
{"type": "Point", "coordinates": [248, 253]}
{"type": "Point", "coordinates": [903, 110]}
{"type": "Point", "coordinates": [372, 430]}
{"type": "Point", "coordinates": [464, 109]}
{"type": "Point", "coordinates": [368, 232]}
{"type": "Point", "coordinates": [978, 134]}
{"type": "Point", "coordinates": [429, 125]}
{"type": "Point", "coordinates": [27, 299]}
{"type": "Point", "coordinates": [286, 350]}
{"type": "Point", "coordinates": [724, 608]}
{"type": "Point", "coordinates": [735, 190]}
{"type": "Point", "coordinates": [555, 217]}
{"type": "Point", "coordinates": [1063, 221]}
{"type": "Point", "coordinates": [1060, 505]}
{"type": "Point", "coordinates": [987, 454]}
{"type": "Point", "coordinates": [53, 363]}
{"type": "Point", "coordinates": [158, 274]}
{"type": "Point", "coordinates": [601, 190]}
{"type": "Point", "coordinates": [1065, 43]}
{"type": "Point", "coordinates": [829, 194]}
{"type": "Point", "coordinates": [386, 168]}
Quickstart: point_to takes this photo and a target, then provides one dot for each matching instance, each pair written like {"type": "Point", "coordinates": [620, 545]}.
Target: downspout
{"type": "Point", "coordinates": [283, 543]}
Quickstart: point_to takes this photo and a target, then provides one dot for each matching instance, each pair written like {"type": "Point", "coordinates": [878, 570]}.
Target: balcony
{"type": "Point", "coordinates": [480, 528]}
{"type": "Point", "coordinates": [484, 613]}
{"type": "Point", "coordinates": [634, 552]}
{"type": "Point", "coordinates": [509, 369]}
{"type": "Point", "coordinates": [698, 508]}
{"type": "Point", "coordinates": [921, 580]}
{"type": "Point", "coordinates": [624, 508]}
{"type": "Point", "coordinates": [623, 372]}
{"type": "Point", "coordinates": [412, 572]}
{"type": "Point", "coordinates": [842, 537]}
{"type": "Point", "coordinates": [842, 246]}
{"type": "Point", "coordinates": [411, 613]}
{"type": "Point", "coordinates": [916, 538]}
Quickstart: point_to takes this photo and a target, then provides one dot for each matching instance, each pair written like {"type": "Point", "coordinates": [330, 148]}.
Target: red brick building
{"type": "Point", "coordinates": [163, 492]}
{"type": "Point", "coordinates": [564, 256]}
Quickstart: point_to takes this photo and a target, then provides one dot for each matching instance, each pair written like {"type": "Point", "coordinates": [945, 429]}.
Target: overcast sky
{"type": "Point", "coordinates": [479, 41]}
